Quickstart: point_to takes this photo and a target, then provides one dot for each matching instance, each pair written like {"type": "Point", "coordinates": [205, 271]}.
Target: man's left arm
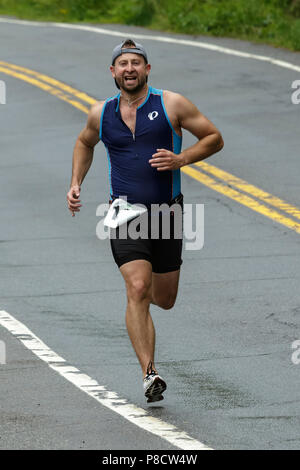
{"type": "Point", "coordinates": [189, 117]}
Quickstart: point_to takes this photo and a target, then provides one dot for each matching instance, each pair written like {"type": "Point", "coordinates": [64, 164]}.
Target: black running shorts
{"type": "Point", "coordinates": [163, 253]}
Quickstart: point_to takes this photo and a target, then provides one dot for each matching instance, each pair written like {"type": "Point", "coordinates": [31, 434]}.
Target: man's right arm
{"type": "Point", "coordinates": [83, 155]}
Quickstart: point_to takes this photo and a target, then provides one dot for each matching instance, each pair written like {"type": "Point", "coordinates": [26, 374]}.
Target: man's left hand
{"type": "Point", "coordinates": [166, 160]}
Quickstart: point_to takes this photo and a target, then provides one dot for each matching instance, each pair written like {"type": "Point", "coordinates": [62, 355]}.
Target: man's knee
{"type": "Point", "coordinates": [168, 305]}
{"type": "Point", "coordinates": [165, 303]}
{"type": "Point", "coordinates": [138, 290]}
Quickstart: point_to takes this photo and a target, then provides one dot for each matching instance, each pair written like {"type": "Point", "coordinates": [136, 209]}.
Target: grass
{"type": "Point", "coordinates": [275, 22]}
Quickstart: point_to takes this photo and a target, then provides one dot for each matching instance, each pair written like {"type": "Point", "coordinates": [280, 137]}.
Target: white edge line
{"type": "Point", "coordinates": [184, 42]}
{"type": "Point", "coordinates": [107, 398]}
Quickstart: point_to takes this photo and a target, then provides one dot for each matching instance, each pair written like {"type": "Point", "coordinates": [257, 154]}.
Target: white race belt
{"type": "Point", "coordinates": [120, 212]}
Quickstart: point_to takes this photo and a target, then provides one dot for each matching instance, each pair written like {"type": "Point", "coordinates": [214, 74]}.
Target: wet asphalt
{"type": "Point", "coordinates": [225, 348]}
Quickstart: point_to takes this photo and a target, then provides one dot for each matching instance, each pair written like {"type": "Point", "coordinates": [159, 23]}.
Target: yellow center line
{"type": "Point", "coordinates": [53, 91]}
{"type": "Point", "coordinates": [250, 189]}
{"type": "Point", "coordinates": [241, 198]}
{"type": "Point", "coordinates": [57, 88]}
{"type": "Point", "coordinates": [79, 94]}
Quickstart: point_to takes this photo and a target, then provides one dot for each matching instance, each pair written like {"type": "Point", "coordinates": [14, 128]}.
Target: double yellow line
{"type": "Point", "coordinates": [50, 85]}
{"type": "Point", "coordinates": [246, 194]}
{"type": "Point", "coordinates": [219, 180]}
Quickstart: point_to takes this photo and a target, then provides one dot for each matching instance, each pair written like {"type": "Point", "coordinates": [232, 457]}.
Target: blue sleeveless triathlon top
{"type": "Point", "coordinates": [130, 172]}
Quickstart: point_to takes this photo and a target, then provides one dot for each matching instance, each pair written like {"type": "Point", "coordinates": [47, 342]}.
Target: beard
{"type": "Point", "coordinates": [141, 81]}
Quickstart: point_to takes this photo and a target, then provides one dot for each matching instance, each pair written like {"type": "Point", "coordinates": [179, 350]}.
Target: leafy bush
{"type": "Point", "coordinates": [272, 21]}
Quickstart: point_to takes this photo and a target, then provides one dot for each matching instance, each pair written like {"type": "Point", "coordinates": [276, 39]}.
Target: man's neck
{"type": "Point", "coordinates": [134, 99]}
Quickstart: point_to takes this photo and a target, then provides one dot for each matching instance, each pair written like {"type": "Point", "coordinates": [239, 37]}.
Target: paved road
{"type": "Point", "coordinates": [225, 348]}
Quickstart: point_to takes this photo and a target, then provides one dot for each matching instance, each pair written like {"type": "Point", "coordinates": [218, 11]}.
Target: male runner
{"type": "Point", "coordinates": [141, 129]}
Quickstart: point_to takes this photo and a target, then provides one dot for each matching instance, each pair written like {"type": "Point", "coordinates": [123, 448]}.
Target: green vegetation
{"type": "Point", "coordinates": [274, 22]}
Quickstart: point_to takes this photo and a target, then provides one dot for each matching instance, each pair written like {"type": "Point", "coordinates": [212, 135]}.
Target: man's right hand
{"type": "Point", "coordinates": [73, 199]}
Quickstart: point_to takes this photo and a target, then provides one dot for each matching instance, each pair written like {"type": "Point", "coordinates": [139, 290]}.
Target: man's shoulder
{"type": "Point", "coordinates": [96, 108]}
{"type": "Point", "coordinates": [166, 93]}
{"type": "Point", "coordinates": [172, 96]}
{"type": "Point", "coordinates": [170, 93]}
{"type": "Point", "coordinates": [94, 115]}
{"type": "Point", "coordinates": [172, 100]}
{"type": "Point", "coordinates": [95, 111]}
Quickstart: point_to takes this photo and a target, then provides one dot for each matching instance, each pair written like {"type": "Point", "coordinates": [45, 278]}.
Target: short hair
{"type": "Point", "coordinates": [129, 43]}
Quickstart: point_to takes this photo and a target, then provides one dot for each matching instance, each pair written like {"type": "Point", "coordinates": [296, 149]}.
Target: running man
{"type": "Point", "coordinates": [141, 130]}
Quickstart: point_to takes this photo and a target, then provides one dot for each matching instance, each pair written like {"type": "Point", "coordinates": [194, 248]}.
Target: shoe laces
{"type": "Point", "coordinates": [150, 370]}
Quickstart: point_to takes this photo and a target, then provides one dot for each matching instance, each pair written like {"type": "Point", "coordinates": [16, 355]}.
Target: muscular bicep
{"type": "Point", "coordinates": [191, 119]}
{"type": "Point", "coordinates": [89, 136]}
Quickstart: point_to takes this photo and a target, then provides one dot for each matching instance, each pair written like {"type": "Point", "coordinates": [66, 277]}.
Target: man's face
{"type": "Point", "coordinates": [130, 72]}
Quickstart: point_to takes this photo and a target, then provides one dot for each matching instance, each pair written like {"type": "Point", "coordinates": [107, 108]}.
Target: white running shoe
{"type": "Point", "coordinates": [154, 385]}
